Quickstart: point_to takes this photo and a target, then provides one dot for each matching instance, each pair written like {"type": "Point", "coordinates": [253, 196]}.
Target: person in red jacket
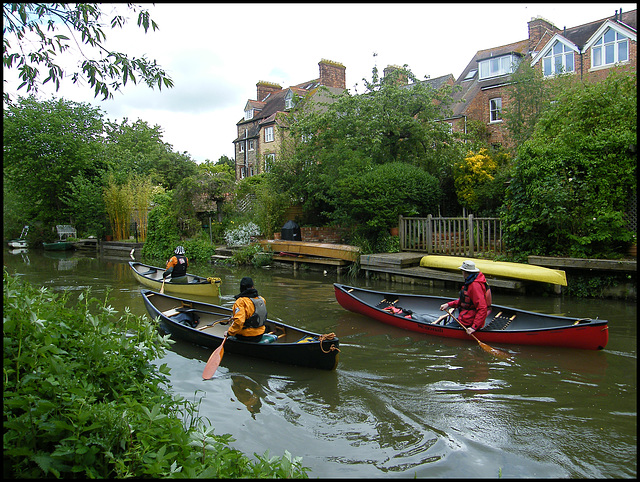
{"type": "Point", "coordinates": [472, 304]}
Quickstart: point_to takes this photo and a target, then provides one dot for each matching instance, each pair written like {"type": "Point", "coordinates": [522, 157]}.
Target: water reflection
{"type": "Point", "coordinates": [401, 404]}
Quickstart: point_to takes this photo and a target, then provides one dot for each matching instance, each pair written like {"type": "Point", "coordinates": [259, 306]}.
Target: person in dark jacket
{"type": "Point", "coordinates": [249, 313]}
{"type": "Point", "coordinates": [472, 304]}
{"type": "Point", "coordinates": [177, 267]}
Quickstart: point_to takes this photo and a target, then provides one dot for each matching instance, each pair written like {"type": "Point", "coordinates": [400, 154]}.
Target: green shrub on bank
{"type": "Point", "coordinates": [83, 399]}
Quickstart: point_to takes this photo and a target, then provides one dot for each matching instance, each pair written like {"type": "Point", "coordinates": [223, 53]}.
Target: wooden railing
{"type": "Point", "coordinates": [458, 236]}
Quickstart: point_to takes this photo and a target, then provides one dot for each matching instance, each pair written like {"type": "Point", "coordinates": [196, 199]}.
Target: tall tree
{"type": "Point", "coordinates": [576, 175]}
{"type": "Point", "coordinates": [35, 35]}
{"type": "Point", "coordinates": [46, 145]}
{"type": "Point", "coordinates": [137, 148]}
{"type": "Point", "coordinates": [392, 121]}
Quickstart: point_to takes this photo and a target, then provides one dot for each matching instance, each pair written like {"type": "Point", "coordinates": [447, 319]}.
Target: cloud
{"type": "Point", "coordinates": [216, 53]}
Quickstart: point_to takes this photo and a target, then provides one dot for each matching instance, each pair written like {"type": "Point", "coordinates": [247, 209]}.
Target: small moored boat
{"type": "Point", "coordinates": [151, 276]}
{"type": "Point", "coordinates": [21, 242]}
{"type": "Point", "coordinates": [58, 246]}
{"type": "Point", "coordinates": [200, 323]}
{"type": "Point", "coordinates": [502, 325]}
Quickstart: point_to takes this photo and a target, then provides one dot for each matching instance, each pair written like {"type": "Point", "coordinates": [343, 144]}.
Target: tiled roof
{"type": "Point", "coordinates": [471, 87]}
{"type": "Point", "coordinates": [581, 34]}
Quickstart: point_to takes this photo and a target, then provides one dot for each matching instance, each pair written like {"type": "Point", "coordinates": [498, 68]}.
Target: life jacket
{"type": "Point", "coordinates": [259, 315]}
{"type": "Point", "coordinates": [465, 300]}
{"type": "Point", "coordinates": [180, 269]}
{"type": "Point", "coordinates": [399, 311]}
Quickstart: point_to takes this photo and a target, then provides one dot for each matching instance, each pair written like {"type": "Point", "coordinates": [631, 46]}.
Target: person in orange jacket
{"type": "Point", "coordinates": [249, 313]}
{"type": "Point", "coordinates": [177, 267]}
{"type": "Point", "coordinates": [472, 303]}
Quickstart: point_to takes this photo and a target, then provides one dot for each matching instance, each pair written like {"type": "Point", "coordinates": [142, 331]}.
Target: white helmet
{"type": "Point", "coordinates": [179, 250]}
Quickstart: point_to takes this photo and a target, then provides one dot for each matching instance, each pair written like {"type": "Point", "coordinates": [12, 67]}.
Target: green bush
{"type": "Point", "coordinates": [83, 399]}
{"type": "Point", "coordinates": [574, 178]}
{"type": "Point", "coordinates": [374, 200]}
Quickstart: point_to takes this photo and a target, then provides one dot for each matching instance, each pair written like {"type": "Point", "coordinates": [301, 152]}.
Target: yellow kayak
{"type": "Point", "coordinates": [503, 269]}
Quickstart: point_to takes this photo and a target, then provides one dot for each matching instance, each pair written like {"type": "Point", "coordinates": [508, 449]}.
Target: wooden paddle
{"type": "Point", "coordinates": [214, 323]}
{"type": "Point", "coordinates": [484, 346]}
{"type": "Point", "coordinates": [162, 287]}
{"type": "Point", "coordinates": [214, 361]}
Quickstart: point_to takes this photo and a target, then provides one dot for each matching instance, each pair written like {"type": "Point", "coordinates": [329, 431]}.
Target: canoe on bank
{"type": "Point", "coordinates": [325, 250]}
{"type": "Point", "coordinates": [151, 276]}
{"type": "Point", "coordinates": [293, 346]}
{"type": "Point", "coordinates": [503, 324]}
{"type": "Point", "coordinates": [503, 269]}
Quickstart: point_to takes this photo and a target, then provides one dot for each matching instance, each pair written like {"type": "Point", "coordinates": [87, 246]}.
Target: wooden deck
{"type": "Point", "coordinates": [589, 264]}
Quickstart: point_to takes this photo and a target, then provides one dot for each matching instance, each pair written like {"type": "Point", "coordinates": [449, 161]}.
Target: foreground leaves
{"type": "Point", "coordinates": [82, 397]}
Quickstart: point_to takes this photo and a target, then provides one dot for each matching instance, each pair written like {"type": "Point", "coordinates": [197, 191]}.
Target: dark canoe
{"type": "Point", "coordinates": [151, 277]}
{"type": "Point", "coordinates": [503, 324]}
{"type": "Point", "coordinates": [293, 345]}
{"type": "Point", "coordinates": [58, 246]}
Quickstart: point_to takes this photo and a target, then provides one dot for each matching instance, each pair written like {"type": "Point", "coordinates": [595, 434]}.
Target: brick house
{"type": "Point", "coordinates": [261, 130]}
{"type": "Point", "coordinates": [590, 51]}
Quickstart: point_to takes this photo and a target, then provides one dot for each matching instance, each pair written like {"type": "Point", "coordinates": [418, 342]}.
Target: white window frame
{"type": "Point", "coordinates": [606, 52]}
{"type": "Point", "coordinates": [241, 143]}
{"type": "Point", "coordinates": [558, 59]}
{"type": "Point", "coordinates": [497, 66]}
{"type": "Point", "coordinates": [268, 134]}
{"type": "Point", "coordinates": [495, 111]}
{"type": "Point", "coordinates": [248, 114]}
{"type": "Point", "coordinates": [251, 144]}
{"type": "Point", "coordinates": [269, 159]}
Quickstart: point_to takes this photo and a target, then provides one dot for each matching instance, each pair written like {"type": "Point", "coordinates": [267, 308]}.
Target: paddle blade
{"type": "Point", "coordinates": [495, 352]}
{"type": "Point", "coordinates": [162, 287]}
{"type": "Point", "coordinates": [214, 361]}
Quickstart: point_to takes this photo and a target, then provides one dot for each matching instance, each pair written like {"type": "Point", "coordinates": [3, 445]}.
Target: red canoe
{"type": "Point", "coordinates": [503, 324]}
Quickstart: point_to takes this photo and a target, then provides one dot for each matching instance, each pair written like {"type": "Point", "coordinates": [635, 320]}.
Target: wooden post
{"type": "Point", "coordinates": [429, 240]}
{"type": "Point", "coordinates": [471, 235]}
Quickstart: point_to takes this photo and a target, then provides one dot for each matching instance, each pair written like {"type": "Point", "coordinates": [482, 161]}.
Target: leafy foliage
{"type": "Point", "coordinates": [573, 179]}
{"type": "Point", "coordinates": [163, 234]}
{"type": "Point", "coordinates": [57, 139]}
{"type": "Point", "coordinates": [241, 235]}
{"type": "Point", "coordinates": [334, 143]}
{"type": "Point", "coordinates": [29, 46]}
{"type": "Point", "coordinates": [138, 148]}
{"type": "Point", "coordinates": [479, 180]}
{"type": "Point", "coordinates": [83, 398]}
{"type": "Point", "coordinates": [374, 200]}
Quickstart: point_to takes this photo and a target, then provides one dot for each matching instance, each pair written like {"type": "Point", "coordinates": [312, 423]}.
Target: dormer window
{"type": "Point", "coordinates": [496, 66]}
{"type": "Point", "coordinates": [558, 59]}
{"type": "Point", "coordinates": [612, 47]}
{"type": "Point", "coordinates": [288, 100]}
{"type": "Point", "coordinates": [248, 114]}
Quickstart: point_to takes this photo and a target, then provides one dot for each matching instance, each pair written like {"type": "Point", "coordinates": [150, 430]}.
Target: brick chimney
{"type": "Point", "coordinates": [540, 32]}
{"type": "Point", "coordinates": [265, 88]}
{"type": "Point", "coordinates": [332, 74]}
{"type": "Point", "coordinates": [402, 78]}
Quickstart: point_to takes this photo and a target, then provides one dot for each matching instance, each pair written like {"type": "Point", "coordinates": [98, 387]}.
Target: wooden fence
{"type": "Point", "coordinates": [458, 236]}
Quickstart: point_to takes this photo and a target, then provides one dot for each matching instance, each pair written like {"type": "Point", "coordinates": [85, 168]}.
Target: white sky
{"type": "Point", "coordinates": [216, 53]}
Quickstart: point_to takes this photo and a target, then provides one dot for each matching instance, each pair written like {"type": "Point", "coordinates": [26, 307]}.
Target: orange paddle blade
{"type": "Point", "coordinates": [494, 351]}
{"type": "Point", "coordinates": [214, 361]}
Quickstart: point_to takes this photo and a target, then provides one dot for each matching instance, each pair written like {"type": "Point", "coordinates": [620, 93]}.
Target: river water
{"type": "Point", "coordinates": [400, 404]}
